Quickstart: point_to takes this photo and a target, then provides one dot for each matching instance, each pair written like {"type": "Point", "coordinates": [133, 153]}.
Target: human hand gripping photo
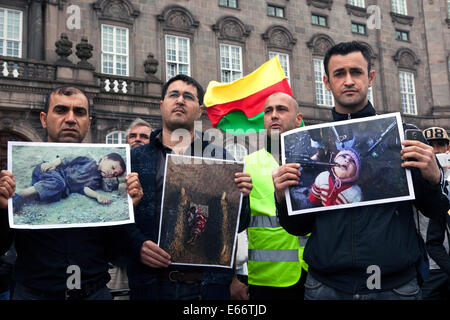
{"type": "Point", "coordinates": [284, 177]}
{"type": "Point", "coordinates": [7, 187]}
{"type": "Point", "coordinates": [419, 155]}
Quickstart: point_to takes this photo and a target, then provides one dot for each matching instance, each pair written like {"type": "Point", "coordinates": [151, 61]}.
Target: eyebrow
{"type": "Point", "coordinates": [351, 69]}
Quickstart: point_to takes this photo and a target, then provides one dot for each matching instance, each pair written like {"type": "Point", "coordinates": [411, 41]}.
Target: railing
{"type": "Point", "coordinates": [121, 85]}
{"type": "Point", "coordinates": [11, 67]}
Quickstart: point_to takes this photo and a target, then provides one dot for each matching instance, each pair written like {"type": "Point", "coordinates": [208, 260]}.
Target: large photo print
{"type": "Point", "coordinates": [200, 211]}
{"type": "Point", "coordinates": [62, 185]}
{"type": "Point", "coordinates": [347, 164]}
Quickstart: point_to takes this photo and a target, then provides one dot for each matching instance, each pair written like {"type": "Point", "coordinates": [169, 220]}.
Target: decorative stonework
{"type": "Point", "coordinates": [231, 28]}
{"type": "Point", "coordinates": [278, 37]}
{"type": "Point", "coordinates": [84, 52]}
{"type": "Point", "coordinates": [402, 19]}
{"type": "Point", "coordinates": [320, 43]}
{"type": "Point", "coordinates": [117, 10]}
{"type": "Point", "coordinates": [322, 4]}
{"type": "Point", "coordinates": [406, 58]}
{"type": "Point", "coordinates": [177, 18]}
{"type": "Point", "coordinates": [356, 11]}
{"type": "Point", "coordinates": [63, 50]}
{"type": "Point", "coordinates": [150, 64]}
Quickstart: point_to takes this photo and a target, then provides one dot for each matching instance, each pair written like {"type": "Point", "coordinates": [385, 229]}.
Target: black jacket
{"type": "Point", "coordinates": [345, 242]}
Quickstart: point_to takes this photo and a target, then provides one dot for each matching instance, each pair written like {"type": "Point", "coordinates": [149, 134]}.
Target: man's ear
{"type": "Point", "coordinates": [200, 111]}
{"type": "Point", "coordinates": [43, 118]}
{"type": "Point", "coordinates": [299, 119]}
{"type": "Point", "coordinates": [371, 77]}
{"type": "Point", "coordinates": [325, 81]}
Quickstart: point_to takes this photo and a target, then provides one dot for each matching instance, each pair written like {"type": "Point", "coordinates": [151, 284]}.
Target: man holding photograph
{"type": "Point", "coordinates": [62, 264]}
{"type": "Point", "coordinates": [150, 275]}
{"type": "Point", "coordinates": [369, 252]}
{"type": "Point", "coordinates": [276, 270]}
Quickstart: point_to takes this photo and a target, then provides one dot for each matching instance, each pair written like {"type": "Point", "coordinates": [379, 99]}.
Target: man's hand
{"type": "Point", "coordinates": [238, 290]}
{"type": "Point", "coordinates": [134, 188]}
{"type": "Point", "coordinates": [244, 182]}
{"type": "Point", "coordinates": [284, 177]}
{"type": "Point", "coordinates": [153, 256]}
{"type": "Point", "coordinates": [7, 187]}
{"type": "Point", "coordinates": [424, 159]}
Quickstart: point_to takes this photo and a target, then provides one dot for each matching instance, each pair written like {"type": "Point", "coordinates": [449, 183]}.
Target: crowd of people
{"type": "Point", "coordinates": [312, 256]}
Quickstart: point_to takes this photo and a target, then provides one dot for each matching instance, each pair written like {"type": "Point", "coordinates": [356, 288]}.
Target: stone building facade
{"type": "Point", "coordinates": [122, 51]}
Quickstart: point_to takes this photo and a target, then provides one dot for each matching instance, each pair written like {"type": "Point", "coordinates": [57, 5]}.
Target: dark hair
{"type": "Point", "coordinates": [187, 79]}
{"type": "Point", "coordinates": [344, 48]}
{"type": "Point", "coordinates": [66, 90]}
{"type": "Point", "coordinates": [117, 157]}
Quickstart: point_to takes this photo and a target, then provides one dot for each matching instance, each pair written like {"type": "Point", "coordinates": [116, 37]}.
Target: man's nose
{"type": "Point", "coordinates": [70, 117]}
{"type": "Point", "coordinates": [349, 80]}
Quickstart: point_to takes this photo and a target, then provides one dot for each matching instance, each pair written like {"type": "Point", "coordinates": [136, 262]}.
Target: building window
{"type": "Point", "coordinates": [116, 137]}
{"type": "Point", "coordinates": [370, 95]}
{"type": "Point", "coordinates": [238, 151]}
{"type": "Point", "coordinates": [275, 11]}
{"type": "Point", "coordinates": [358, 28]}
{"type": "Point", "coordinates": [323, 96]}
{"type": "Point", "coordinates": [228, 3]}
{"type": "Point", "coordinates": [177, 56]}
{"type": "Point", "coordinates": [408, 92]}
{"type": "Point", "coordinates": [10, 33]}
{"type": "Point", "coordinates": [448, 8]}
{"type": "Point", "coordinates": [230, 62]}
{"type": "Point", "coordinates": [401, 35]}
{"type": "Point", "coordinates": [319, 20]}
{"type": "Point", "coordinates": [284, 62]}
{"type": "Point", "coordinates": [399, 6]}
{"type": "Point", "coordinates": [357, 3]}
{"type": "Point", "coordinates": [114, 50]}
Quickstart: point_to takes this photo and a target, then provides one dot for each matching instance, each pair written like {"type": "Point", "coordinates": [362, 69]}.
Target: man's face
{"type": "Point", "coordinates": [346, 166]}
{"type": "Point", "coordinates": [180, 107]}
{"type": "Point", "coordinates": [349, 81]}
{"type": "Point", "coordinates": [110, 168]}
{"type": "Point", "coordinates": [67, 119]}
{"type": "Point", "coordinates": [439, 145]}
{"type": "Point", "coordinates": [138, 136]}
{"type": "Point", "coordinates": [280, 114]}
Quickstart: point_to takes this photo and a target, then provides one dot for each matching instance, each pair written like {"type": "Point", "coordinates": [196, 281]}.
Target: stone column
{"type": "Point", "coordinates": [36, 30]}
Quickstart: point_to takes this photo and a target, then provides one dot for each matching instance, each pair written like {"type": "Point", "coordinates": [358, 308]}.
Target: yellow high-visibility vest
{"type": "Point", "coordinates": [275, 257]}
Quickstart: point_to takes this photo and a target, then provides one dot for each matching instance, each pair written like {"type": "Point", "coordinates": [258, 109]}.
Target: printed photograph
{"type": "Point", "coordinates": [347, 164]}
{"type": "Point", "coordinates": [200, 211]}
{"type": "Point", "coordinates": [61, 185]}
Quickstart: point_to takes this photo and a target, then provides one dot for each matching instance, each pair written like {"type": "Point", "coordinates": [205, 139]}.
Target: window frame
{"type": "Point", "coordinates": [122, 137]}
{"type": "Point", "coordinates": [326, 94]}
{"type": "Point", "coordinates": [276, 8]}
{"type": "Point", "coordinates": [114, 53]}
{"type": "Point", "coordinates": [402, 32]}
{"type": "Point", "coordinates": [5, 38]}
{"type": "Point", "coordinates": [177, 61]}
{"type": "Point", "coordinates": [234, 151]}
{"type": "Point", "coordinates": [272, 54]}
{"type": "Point", "coordinates": [230, 69]}
{"type": "Point", "coordinates": [399, 4]}
{"type": "Point", "coordinates": [357, 3]}
{"type": "Point", "coordinates": [358, 25]}
{"type": "Point", "coordinates": [408, 94]}
{"type": "Point", "coordinates": [318, 16]}
{"type": "Point", "coordinates": [227, 5]}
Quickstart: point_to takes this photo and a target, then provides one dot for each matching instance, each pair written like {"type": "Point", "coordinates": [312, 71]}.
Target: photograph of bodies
{"type": "Point", "coordinates": [347, 164]}
{"type": "Point", "coordinates": [200, 211]}
{"type": "Point", "coordinates": [62, 185]}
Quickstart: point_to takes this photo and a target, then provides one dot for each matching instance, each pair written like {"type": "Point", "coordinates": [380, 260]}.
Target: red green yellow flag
{"type": "Point", "coordinates": [238, 106]}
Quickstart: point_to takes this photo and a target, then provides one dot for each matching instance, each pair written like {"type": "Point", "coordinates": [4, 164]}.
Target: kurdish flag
{"type": "Point", "coordinates": [238, 106]}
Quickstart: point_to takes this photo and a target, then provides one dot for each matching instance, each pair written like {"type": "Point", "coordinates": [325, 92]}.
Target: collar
{"type": "Point", "coordinates": [157, 136]}
{"type": "Point", "coordinates": [367, 111]}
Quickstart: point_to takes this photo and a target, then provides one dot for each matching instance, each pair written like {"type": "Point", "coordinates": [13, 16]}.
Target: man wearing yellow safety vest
{"type": "Point", "coordinates": [276, 269]}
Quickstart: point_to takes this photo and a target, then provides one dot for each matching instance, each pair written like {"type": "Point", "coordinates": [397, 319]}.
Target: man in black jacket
{"type": "Point", "coordinates": [47, 258]}
{"type": "Point", "coordinates": [349, 248]}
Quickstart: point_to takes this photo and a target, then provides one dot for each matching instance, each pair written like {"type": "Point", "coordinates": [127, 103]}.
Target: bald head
{"type": "Point", "coordinates": [281, 113]}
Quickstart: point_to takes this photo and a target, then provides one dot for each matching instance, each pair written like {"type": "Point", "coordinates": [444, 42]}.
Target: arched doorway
{"type": "Point", "coordinates": [6, 136]}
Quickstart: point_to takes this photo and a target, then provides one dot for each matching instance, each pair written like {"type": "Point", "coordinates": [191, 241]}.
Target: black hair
{"type": "Point", "coordinates": [66, 90]}
{"type": "Point", "coordinates": [344, 48]}
{"type": "Point", "coordinates": [187, 79]}
{"type": "Point", "coordinates": [117, 157]}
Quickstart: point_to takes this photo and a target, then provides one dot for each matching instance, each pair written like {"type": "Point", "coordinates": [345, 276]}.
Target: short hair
{"type": "Point", "coordinates": [138, 122]}
{"type": "Point", "coordinates": [344, 48]}
{"type": "Point", "coordinates": [117, 157]}
{"type": "Point", "coordinates": [292, 99]}
{"type": "Point", "coordinates": [186, 79]}
{"type": "Point", "coordinates": [66, 90]}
